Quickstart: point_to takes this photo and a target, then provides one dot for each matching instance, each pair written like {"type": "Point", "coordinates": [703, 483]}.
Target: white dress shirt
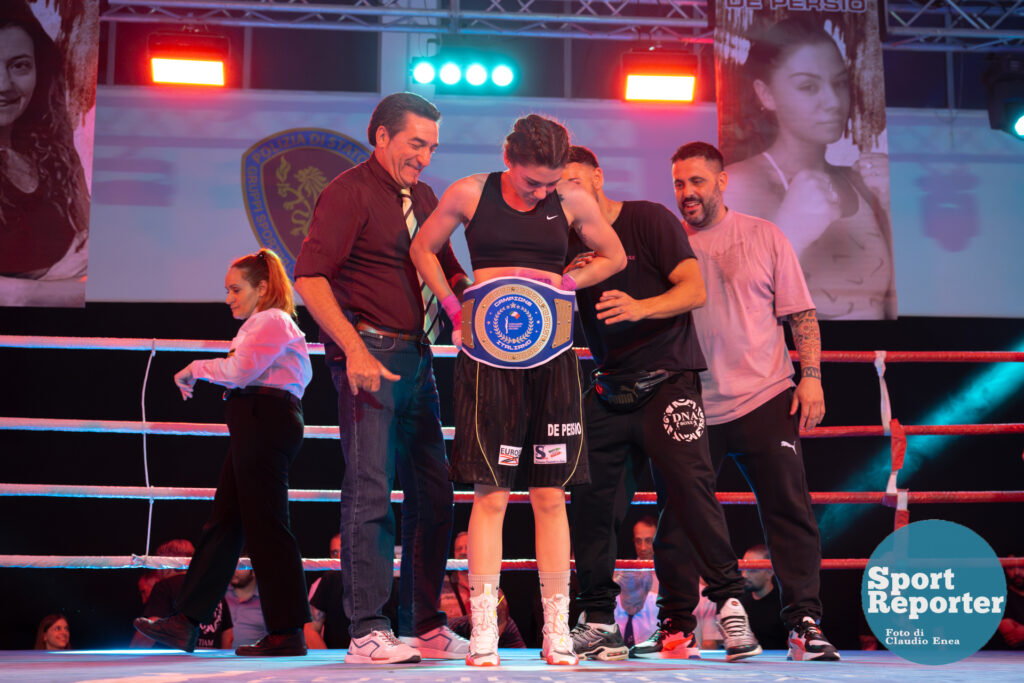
{"type": "Point", "coordinates": [269, 351]}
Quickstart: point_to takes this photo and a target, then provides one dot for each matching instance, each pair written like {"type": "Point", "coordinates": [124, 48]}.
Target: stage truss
{"type": "Point", "coordinates": [926, 25]}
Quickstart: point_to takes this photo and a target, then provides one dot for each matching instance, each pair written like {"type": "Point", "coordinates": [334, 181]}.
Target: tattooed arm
{"type": "Point", "coordinates": [808, 396]}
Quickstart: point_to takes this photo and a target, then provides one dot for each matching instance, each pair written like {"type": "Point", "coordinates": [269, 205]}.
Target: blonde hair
{"type": "Point", "coordinates": [266, 266]}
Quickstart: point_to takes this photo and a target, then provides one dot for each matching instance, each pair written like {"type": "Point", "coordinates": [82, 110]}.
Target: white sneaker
{"type": "Point", "coordinates": [380, 647]}
{"type": "Point", "coordinates": [557, 639]}
{"type": "Point", "coordinates": [439, 643]}
{"type": "Point", "coordinates": [483, 636]}
{"type": "Point", "coordinates": [740, 641]}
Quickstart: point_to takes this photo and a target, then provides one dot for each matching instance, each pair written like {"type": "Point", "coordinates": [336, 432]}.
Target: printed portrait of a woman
{"type": "Point", "coordinates": [44, 200]}
{"type": "Point", "coordinates": [799, 97]}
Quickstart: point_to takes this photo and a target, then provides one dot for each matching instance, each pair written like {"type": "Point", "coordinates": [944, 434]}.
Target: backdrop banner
{"type": "Point", "coordinates": [47, 111]}
{"type": "Point", "coordinates": [801, 124]}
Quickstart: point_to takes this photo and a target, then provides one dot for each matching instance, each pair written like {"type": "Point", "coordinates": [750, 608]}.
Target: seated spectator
{"type": "Point", "coordinates": [636, 608]}
{"type": "Point", "coordinates": [53, 633]}
{"type": "Point", "coordinates": [330, 624]}
{"type": "Point", "coordinates": [215, 634]}
{"type": "Point", "coordinates": [707, 634]}
{"type": "Point", "coordinates": [761, 600]}
{"type": "Point", "coordinates": [334, 550]}
{"type": "Point", "coordinates": [455, 602]}
{"type": "Point", "coordinates": [1010, 632]}
{"type": "Point", "coordinates": [243, 598]}
{"type": "Point", "coordinates": [146, 583]}
{"type": "Point", "coordinates": [178, 547]}
{"type": "Point", "coordinates": [329, 627]}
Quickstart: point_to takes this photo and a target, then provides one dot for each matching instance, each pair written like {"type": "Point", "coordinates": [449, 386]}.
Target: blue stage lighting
{"type": "Point", "coordinates": [450, 73]}
{"type": "Point", "coordinates": [476, 74]}
{"type": "Point", "coordinates": [423, 72]}
{"type": "Point", "coordinates": [502, 76]}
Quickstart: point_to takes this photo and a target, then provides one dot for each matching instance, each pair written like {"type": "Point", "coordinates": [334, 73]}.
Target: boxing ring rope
{"type": "Point", "coordinates": [892, 496]}
{"type": "Point", "coordinates": [321, 564]}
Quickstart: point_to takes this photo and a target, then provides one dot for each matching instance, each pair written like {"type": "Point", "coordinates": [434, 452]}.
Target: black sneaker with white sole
{"type": "Point", "coordinates": [590, 642]}
{"type": "Point", "coordinates": [667, 642]}
{"type": "Point", "coordinates": [807, 642]}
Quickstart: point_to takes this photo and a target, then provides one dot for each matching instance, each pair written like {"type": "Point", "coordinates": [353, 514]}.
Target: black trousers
{"type": "Point", "coordinates": [765, 444]}
{"type": "Point", "coordinates": [670, 431]}
{"type": "Point", "coordinates": [251, 508]}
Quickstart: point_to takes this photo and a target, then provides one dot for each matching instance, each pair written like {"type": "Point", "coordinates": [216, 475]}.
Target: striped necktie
{"type": "Point", "coordinates": [431, 319]}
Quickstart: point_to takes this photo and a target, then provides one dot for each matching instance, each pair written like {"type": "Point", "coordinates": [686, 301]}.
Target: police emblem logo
{"type": "Point", "coordinates": [282, 176]}
{"type": "Point", "coordinates": [683, 420]}
{"type": "Point", "coordinates": [549, 454]}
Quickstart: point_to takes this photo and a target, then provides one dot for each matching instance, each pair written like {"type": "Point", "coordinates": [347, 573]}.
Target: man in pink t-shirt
{"type": "Point", "coordinates": [753, 408]}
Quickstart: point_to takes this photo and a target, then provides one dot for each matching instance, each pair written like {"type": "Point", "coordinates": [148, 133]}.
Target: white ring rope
{"type": "Point", "coordinates": [145, 452]}
{"type": "Point", "coordinates": [20, 341]}
{"type": "Point", "coordinates": [49, 424]}
{"type": "Point", "coordinates": [205, 493]}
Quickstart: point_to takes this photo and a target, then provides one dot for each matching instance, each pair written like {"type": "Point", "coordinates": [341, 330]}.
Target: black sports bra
{"type": "Point", "coordinates": [499, 236]}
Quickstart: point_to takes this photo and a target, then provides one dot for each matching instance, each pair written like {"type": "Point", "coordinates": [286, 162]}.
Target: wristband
{"type": "Point", "coordinates": [453, 308]}
{"type": "Point", "coordinates": [568, 283]}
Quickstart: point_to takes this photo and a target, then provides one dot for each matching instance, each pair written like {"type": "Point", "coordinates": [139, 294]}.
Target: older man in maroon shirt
{"type": "Point", "coordinates": [377, 323]}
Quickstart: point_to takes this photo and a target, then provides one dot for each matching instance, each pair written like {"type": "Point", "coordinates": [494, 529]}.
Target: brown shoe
{"type": "Point", "coordinates": [174, 631]}
{"type": "Point", "coordinates": [275, 645]}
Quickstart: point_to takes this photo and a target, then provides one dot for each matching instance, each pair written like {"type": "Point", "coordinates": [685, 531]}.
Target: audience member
{"type": "Point", "coordinates": [455, 602]}
{"type": "Point", "coordinates": [761, 601]}
{"type": "Point", "coordinates": [330, 625]}
{"type": "Point", "coordinates": [214, 634]}
{"type": "Point", "coordinates": [636, 605]}
{"type": "Point", "coordinates": [146, 583]}
{"type": "Point", "coordinates": [334, 552]}
{"type": "Point", "coordinates": [706, 633]}
{"type": "Point", "coordinates": [1010, 632]}
{"type": "Point", "coordinates": [243, 598]}
{"type": "Point", "coordinates": [53, 633]}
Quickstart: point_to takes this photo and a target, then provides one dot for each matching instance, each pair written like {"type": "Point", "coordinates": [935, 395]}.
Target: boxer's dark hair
{"type": "Point", "coordinates": [390, 113]}
{"type": "Point", "coordinates": [699, 149]}
{"type": "Point", "coordinates": [537, 141]}
{"type": "Point", "coordinates": [578, 154]}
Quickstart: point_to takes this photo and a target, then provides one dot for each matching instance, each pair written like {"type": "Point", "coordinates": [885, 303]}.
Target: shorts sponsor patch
{"type": "Point", "coordinates": [549, 454]}
{"type": "Point", "coordinates": [509, 455]}
{"type": "Point", "coordinates": [683, 420]}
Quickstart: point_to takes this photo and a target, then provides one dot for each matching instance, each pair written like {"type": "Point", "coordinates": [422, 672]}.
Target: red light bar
{"type": "Point", "coordinates": [187, 71]}
{"type": "Point", "coordinates": [192, 58]}
{"type": "Point", "coordinates": [660, 88]}
{"type": "Point", "coordinates": [659, 75]}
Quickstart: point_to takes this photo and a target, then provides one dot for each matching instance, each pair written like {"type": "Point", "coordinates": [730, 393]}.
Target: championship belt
{"type": "Point", "coordinates": [514, 322]}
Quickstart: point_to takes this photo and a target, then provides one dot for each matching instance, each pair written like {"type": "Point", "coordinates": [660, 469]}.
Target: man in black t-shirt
{"type": "Point", "coordinates": [646, 403]}
{"type": "Point", "coordinates": [761, 600]}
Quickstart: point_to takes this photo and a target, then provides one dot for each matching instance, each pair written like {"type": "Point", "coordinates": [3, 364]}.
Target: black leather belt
{"type": "Point", "coordinates": [263, 391]}
{"type": "Point", "coordinates": [404, 336]}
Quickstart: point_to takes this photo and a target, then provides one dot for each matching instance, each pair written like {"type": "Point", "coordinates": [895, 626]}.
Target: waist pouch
{"type": "Point", "coordinates": [624, 391]}
{"type": "Point", "coordinates": [515, 322]}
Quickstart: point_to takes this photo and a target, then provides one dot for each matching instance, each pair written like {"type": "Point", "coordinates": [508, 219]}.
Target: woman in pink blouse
{"type": "Point", "coordinates": [265, 374]}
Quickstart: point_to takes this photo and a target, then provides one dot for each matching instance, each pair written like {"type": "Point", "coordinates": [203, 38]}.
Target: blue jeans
{"type": "Point", "coordinates": [398, 426]}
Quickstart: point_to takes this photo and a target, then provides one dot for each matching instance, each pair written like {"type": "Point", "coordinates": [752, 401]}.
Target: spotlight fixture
{"type": "Point", "coordinates": [188, 57]}
{"type": "Point", "coordinates": [1004, 82]}
{"type": "Point", "coordinates": [659, 75]}
{"type": "Point", "coordinates": [465, 72]}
